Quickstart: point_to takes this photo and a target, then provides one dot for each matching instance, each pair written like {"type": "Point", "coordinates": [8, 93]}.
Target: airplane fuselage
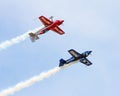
{"type": "Point", "coordinates": [53, 25]}
{"type": "Point", "coordinates": [74, 59]}
{"type": "Point", "coordinates": [49, 24]}
{"type": "Point", "coordinates": [50, 27]}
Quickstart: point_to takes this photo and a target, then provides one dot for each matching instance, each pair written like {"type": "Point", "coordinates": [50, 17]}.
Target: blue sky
{"type": "Point", "coordinates": [89, 25]}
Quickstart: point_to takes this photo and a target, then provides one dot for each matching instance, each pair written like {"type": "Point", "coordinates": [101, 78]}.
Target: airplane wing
{"type": "Point", "coordinates": [45, 21]}
{"type": "Point", "coordinates": [74, 53]}
{"type": "Point", "coordinates": [58, 30]}
{"type": "Point", "coordinates": [85, 61]}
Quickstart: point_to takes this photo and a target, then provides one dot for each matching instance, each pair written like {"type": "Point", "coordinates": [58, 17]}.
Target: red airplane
{"type": "Point", "coordinates": [49, 24]}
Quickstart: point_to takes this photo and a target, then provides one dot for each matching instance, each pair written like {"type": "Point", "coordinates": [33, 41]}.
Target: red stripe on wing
{"type": "Point", "coordinates": [58, 30]}
{"type": "Point", "coordinates": [45, 21]}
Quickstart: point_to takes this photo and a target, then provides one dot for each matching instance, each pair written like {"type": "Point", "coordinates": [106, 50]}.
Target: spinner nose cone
{"type": "Point", "coordinates": [89, 52]}
{"type": "Point", "coordinates": [62, 21]}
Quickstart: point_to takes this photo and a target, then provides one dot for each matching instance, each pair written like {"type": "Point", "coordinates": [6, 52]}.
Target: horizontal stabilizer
{"type": "Point", "coordinates": [33, 37]}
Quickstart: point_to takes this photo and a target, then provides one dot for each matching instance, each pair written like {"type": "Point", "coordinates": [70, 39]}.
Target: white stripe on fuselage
{"type": "Point", "coordinates": [69, 64]}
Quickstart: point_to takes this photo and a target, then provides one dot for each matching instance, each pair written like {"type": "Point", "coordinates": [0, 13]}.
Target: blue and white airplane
{"type": "Point", "coordinates": [76, 57]}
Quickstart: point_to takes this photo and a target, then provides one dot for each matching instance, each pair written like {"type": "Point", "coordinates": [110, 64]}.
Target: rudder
{"type": "Point", "coordinates": [62, 62]}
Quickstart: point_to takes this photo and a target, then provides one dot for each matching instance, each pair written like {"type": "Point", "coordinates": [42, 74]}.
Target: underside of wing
{"type": "Point", "coordinates": [74, 53]}
{"type": "Point", "coordinates": [45, 21]}
{"type": "Point", "coordinates": [85, 61]}
{"type": "Point", "coordinates": [58, 30]}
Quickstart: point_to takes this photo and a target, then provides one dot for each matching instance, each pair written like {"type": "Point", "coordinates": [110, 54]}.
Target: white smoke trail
{"type": "Point", "coordinates": [18, 39]}
{"type": "Point", "coordinates": [27, 83]}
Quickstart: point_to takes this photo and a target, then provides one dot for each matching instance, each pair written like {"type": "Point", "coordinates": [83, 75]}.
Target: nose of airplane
{"type": "Point", "coordinates": [86, 53]}
{"type": "Point", "coordinates": [62, 21]}
{"type": "Point", "coordinates": [89, 52]}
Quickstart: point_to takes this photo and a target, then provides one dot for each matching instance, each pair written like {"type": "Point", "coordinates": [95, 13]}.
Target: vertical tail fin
{"type": "Point", "coordinates": [62, 62]}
